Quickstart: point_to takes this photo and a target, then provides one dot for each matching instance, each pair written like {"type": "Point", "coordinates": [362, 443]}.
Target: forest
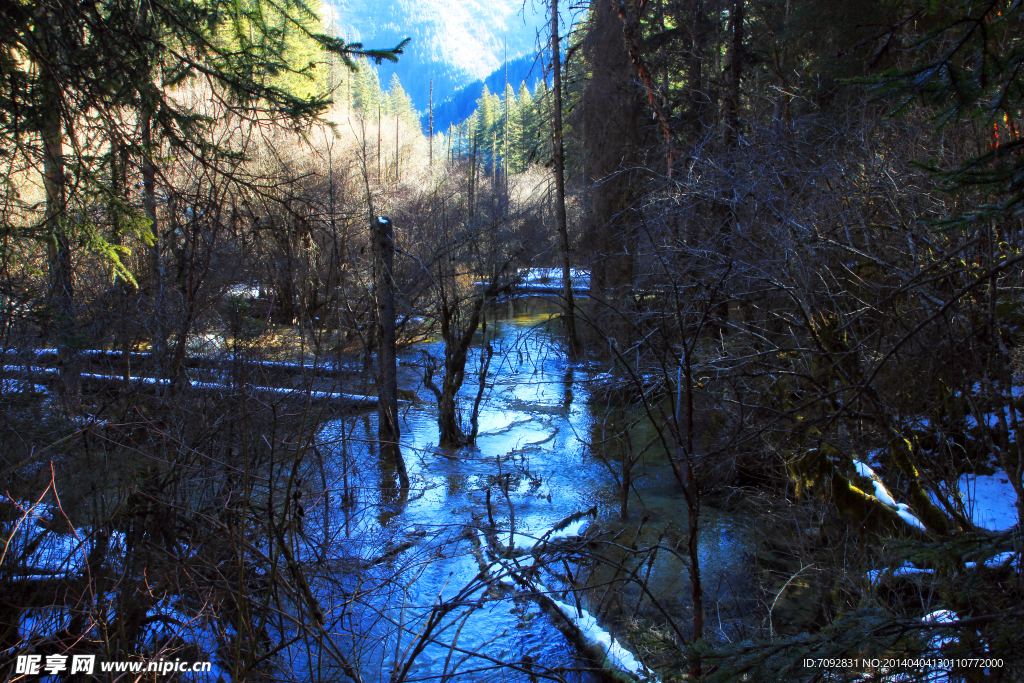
{"type": "Point", "coordinates": [697, 355]}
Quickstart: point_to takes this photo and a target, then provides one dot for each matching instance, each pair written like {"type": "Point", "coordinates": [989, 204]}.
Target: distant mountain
{"type": "Point", "coordinates": [459, 106]}
{"type": "Point", "coordinates": [454, 42]}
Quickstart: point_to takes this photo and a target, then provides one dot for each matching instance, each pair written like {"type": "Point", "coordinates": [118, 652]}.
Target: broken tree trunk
{"type": "Point", "coordinates": [388, 431]}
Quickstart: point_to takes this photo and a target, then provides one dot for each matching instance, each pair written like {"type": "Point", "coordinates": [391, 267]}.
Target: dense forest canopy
{"type": "Point", "coordinates": [697, 355]}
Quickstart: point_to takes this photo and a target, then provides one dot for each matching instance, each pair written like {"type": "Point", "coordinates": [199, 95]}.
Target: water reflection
{"type": "Point", "coordinates": [415, 595]}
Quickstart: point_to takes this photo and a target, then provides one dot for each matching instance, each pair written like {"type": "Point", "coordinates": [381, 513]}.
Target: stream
{"type": "Point", "coordinates": [408, 599]}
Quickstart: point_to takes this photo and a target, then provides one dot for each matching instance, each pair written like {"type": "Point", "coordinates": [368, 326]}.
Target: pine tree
{"type": "Point", "coordinates": [367, 95]}
{"type": "Point", "coordinates": [401, 103]}
{"type": "Point", "coordinates": [505, 125]}
{"type": "Point", "coordinates": [129, 60]}
{"type": "Point", "coordinates": [288, 36]}
{"type": "Point", "coordinates": [542, 116]}
{"type": "Point", "coordinates": [470, 129]}
{"type": "Point", "coordinates": [526, 123]}
{"type": "Point", "coordinates": [486, 118]}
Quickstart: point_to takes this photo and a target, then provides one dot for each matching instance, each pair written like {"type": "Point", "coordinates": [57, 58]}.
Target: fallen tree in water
{"type": "Point", "coordinates": [225, 363]}
{"type": "Point", "coordinates": [519, 562]}
{"type": "Point", "coordinates": [95, 382]}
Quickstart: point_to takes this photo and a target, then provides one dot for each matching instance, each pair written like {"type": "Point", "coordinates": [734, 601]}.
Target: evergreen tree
{"type": "Point", "coordinates": [401, 103]}
{"type": "Point", "coordinates": [470, 132]}
{"type": "Point", "coordinates": [525, 123]}
{"type": "Point", "coordinates": [129, 60]}
{"type": "Point", "coordinates": [505, 125]}
{"type": "Point", "coordinates": [541, 142]}
{"type": "Point", "coordinates": [486, 117]}
{"type": "Point", "coordinates": [287, 36]}
{"type": "Point", "coordinates": [513, 129]}
{"type": "Point", "coordinates": [367, 95]}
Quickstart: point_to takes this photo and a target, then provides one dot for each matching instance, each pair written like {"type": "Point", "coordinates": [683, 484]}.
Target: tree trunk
{"type": "Point", "coordinates": [61, 274]}
{"type": "Point", "coordinates": [691, 492]}
{"type": "Point", "coordinates": [456, 350]}
{"type": "Point", "coordinates": [149, 151]}
{"type": "Point", "coordinates": [569, 316]}
{"type": "Point", "coordinates": [430, 127]}
{"type": "Point", "coordinates": [119, 185]}
{"type": "Point", "coordinates": [448, 416]}
{"type": "Point", "coordinates": [486, 354]}
{"type": "Point", "coordinates": [732, 102]}
{"type": "Point", "coordinates": [632, 18]}
{"type": "Point", "coordinates": [388, 430]}
{"type": "Point", "coordinates": [61, 271]}
{"type": "Point", "coordinates": [612, 109]}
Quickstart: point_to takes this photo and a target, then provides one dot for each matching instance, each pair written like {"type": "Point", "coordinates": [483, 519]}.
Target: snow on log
{"type": "Point", "coordinates": [96, 382]}
{"type": "Point", "coordinates": [883, 496]}
{"type": "Point", "coordinates": [578, 625]}
{"type": "Point", "coordinates": [581, 628]}
{"type": "Point", "coordinates": [336, 399]}
{"type": "Point", "coordinates": [224, 362]}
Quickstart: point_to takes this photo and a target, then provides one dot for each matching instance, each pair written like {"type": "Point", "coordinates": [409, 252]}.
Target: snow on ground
{"type": "Point", "coordinates": [906, 570]}
{"type": "Point", "coordinates": [930, 674]}
{"type": "Point", "coordinates": [244, 291]}
{"type": "Point", "coordinates": [991, 419]}
{"type": "Point", "coordinates": [31, 352]}
{"type": "Point", "coordinates": [942, 616]}
{"type": "Point", "coordinates": [875, 456]}
{"type": "Point", "coordinates": [37, 552]}
{"type": "Point", "coordinates": [1010, 558]}
{"type": "Point", "coordinates": [998, 561]}
{"type": "Point", "coordinates": [34, 370]}
{"type": "Point", "coordinates": [13, 386]}
{"type": "Point", "coordinates": [989, 499]}
{"type": "Point", "coordinates": [548, 279]}
{"type": "Point", "coordinates": [990, 503]}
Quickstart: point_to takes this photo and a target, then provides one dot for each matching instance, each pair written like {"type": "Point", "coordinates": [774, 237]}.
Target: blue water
{"type": "Point", "coordinates": [429, 611]}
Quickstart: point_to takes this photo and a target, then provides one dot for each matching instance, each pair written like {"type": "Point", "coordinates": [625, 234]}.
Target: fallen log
{"type": "Point", "coordinates": [335, 399]}
{"type": "Point", "coordinates": [580, 628]}
{"type": "Point", "coordinates": [95, 382]}
{"type": "Point", "coordinates": [225, 364]}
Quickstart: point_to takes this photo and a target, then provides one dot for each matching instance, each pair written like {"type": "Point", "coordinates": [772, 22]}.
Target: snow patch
{"type": "Point", "coordinates": [990, 500]}
{"type": "Point", "coordinates": [906, 570]}
{"type": "Point", "coordinates": [550, 279]}
{"type": "Point", "coordinates": [999, 560]}
{"type": "Point", "coordinates": [942, 616]}
{"type": "Point", "coordinates": [244, 291]}
{"type": "Point", "coordinates": [16, 386]}
{"type": "Point", "coordinates": [525, 542]}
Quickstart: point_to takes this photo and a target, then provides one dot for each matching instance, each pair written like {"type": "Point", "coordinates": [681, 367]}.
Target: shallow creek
{"type": "Point", "coordinates": [540, 455]}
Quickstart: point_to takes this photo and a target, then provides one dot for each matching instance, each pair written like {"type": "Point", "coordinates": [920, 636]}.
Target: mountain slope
{"type": "Point", "coordinates": [461, 105]}
{"type": "Point", "coordinates": [454, 42]}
